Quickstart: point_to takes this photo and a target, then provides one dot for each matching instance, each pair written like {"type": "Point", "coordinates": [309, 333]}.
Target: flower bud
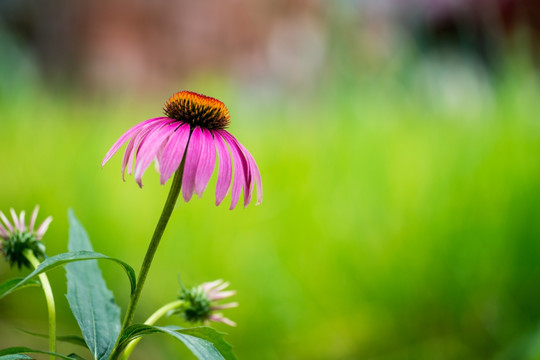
{"type": "Point", "coordinates": [17, 238]}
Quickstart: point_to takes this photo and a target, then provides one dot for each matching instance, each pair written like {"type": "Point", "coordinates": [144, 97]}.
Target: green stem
{"type": "Point", "coordinates": [162, 311]}
{"type": "Point", "coordinates": [29, 255]}
{"type": "Point", "coordinates": [151, 251]}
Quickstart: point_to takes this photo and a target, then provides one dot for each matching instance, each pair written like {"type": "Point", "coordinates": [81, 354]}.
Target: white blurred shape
{"type": "Point", "coordinates": [457, 85]}
{"type": "Point", "coordinates": [296, 50]}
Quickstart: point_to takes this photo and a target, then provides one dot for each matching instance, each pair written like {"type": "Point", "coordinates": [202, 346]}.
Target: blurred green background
{"type": "Point", "coordinates": [401, 212]}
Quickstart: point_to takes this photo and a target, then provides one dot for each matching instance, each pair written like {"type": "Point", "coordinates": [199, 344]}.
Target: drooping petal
{"type": "Point", "coordinates": [254, 173]}
{"type": "Point", "coordinates": [248, 189]}
{"type": "Point", "coordinates": [241, 169]}
{"type": "Point", "coordinates": [134, 146]}
{"type": "Point", "coordinates": [207, 162]}
{"type": "Point", "coordinates": [33, 219]}
{"type": "Point", "coordinates": [6, 222]}
{"type": "Point", "coordinates": [159, 155]}
{"type": "Point", "coordinates": [149, 149]}
{"type": "Point", "coordinates": [127, 159]}
{"type": "Point", "coordinates": [220, 318]}
{"type": "Point", "coordinates": [126, 136]}
{"type": "Point", "coordinates": [225, 168]}
{"type": "Point", "coordinates": [138, 140]}
{"type": "Point", "coordinates": [194, 149]}
{"type": "Point", "coordinates": [43, 227]}
{"type": "Point", "coordinates": [248, 171]}
{"type": "Point", "coordinates": [174, 152]}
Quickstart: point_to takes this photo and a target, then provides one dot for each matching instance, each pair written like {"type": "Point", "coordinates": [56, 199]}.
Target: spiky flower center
{"type": "Point", "coordinates": [197, 110]}
{"type": "Point", "coordinates": [196, 307]}
{"type": "Point", "coordinates": [17, 244]}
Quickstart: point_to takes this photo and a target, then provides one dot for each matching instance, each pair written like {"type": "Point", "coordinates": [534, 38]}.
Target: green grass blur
{"type": "Point", "coordinates": [395, 223]}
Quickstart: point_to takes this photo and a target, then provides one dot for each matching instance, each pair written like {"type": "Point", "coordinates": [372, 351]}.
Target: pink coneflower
{"type": "Point", "coordinates": [199, 303]}
{"type": "Point", "coordinates": [18, 237]}
{"type": "Point", "coordinates": [193, 130]}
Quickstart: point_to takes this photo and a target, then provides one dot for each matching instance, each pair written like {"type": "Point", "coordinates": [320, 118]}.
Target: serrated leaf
{"type": "Point", "coordinates": [91, 302]}
{"type": "Point", "coordinates": [204, 342]}
{"type": "Point", "coordinates": [62, 259]}
{"type": "Point", "coordinates": [5, 286]}
{"type": "Point", "coordinates": [19, 350]}
{"type": "Point", "coordinates": [71, 339]}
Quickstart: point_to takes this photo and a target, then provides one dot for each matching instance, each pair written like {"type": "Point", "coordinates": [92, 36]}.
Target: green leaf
{"type": "Point", "coordinates": [75, 356]}
{"type": "Point", "coordinates": [91, 302]}
{"type": "Point", "coordinates": [204, 342]}
{"type": "Point", "coordinates": [61, 259]}
{"type": "Point", "coordinates": [17, 351]}
{"type": "Point", "coordinates": [5, 286]}
{"type": "Point", "coordinates": [15, 357]}
{"type": "Point", "coordinates": [210, 335]}
{"type": "Point", "coordinates": [72, 339]}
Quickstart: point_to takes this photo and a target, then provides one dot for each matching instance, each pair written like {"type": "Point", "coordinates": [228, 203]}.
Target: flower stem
{"type": "Point", "coordinates": [162, 311]}
{"type": "Point", "coordinates": [50, 301]}
{"type": "Point", "coordinates": [158, 233]}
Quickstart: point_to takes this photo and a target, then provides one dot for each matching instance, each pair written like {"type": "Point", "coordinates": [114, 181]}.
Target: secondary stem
{"type": "Point", "coordinates": [50, 301]}
{"type": "Point", "coordinates": [162, 311]}
{"type": "Point", "coordinates": [158, 233]}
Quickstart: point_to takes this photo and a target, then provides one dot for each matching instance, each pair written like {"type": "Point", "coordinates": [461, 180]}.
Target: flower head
{"type": "Point", "coordinates": [200, 302]}
{"type": "Point", "coordinates": [17, 237]}
{"type": "Point", "coordinates": [192, 133]}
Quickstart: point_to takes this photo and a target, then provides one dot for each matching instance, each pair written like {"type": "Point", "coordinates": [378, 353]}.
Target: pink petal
{"type": "Point", "coordinates": [43, 227]}
{"type": "Point", "coordinates": [126, 136]}
{"type": "Point", "coordinates": [225, 306]}
{"type": "Point", "coordinates": [128, 154]}
{"type": "Point", "coordinates": [173, 153]}
{"type": "Point", "coordinates": [136, 142]}
{"type": "Point", "coordinates": [210, 285]}
{"type": "Point", "coordinates": [207, 162]}
{"type": "Point", "coordinates": [248, 185]}
{"type": "Point", "coordinates": [222, 319]}
{"type": "Point", "coordinates": [6, 222]}
{"type": "Point", "coordinates": [241, 169]}
{"type": "Point", "coordinates": [16, 224]}
{"type": "Point", "coordinates": [222, 286]}
{"type": "Point", "coordinates": [254, 171]}
{"type": "Point", "coordinates": [221, 295]}
{"type": "Point", "coordinates": [133, 148]}
{"type": "Point", "coordinates": [149, 148]}
{"type": "Point", "coordinates": [194, 149]}
{"type": "Point", "coordinates": [21, 221]}
{"type": "Point", "coordinates": [225, 168]}
{"type": "Point", "coordinates": [159, 155]}
{"type": "Point", "coordinates": [33, 219]}
{"type": "Point", "coordinates": [3, 231]}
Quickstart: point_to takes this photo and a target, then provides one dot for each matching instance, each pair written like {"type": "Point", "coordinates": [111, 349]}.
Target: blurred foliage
{"type": "Point", "coordinates": [401, 217]}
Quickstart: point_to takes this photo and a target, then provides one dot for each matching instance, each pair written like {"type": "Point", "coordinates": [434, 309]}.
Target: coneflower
{"type": "Point", "coordinates": [193, 131]}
